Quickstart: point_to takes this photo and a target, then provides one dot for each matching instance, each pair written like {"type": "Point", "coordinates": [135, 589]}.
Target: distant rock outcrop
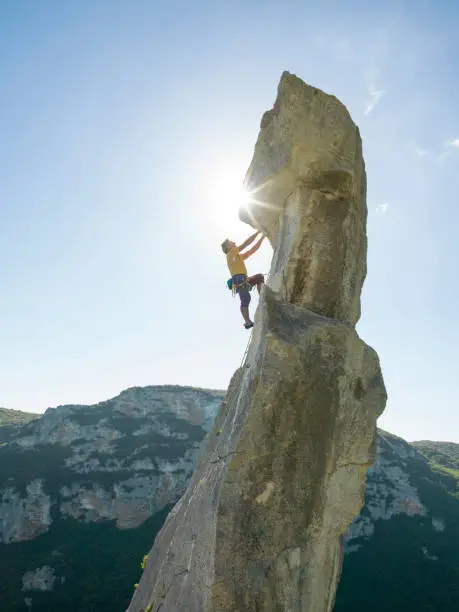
{"type": "Point", "coordinates": [83, 487]}
{"type": "Point", "coordinates": [282, 474]}
{"type": "Point", "coordinates": [402, 551]}
{"type": "Point", "coordinates": [42, 579]}
{"type": "Point", "coordinates": [121, 460]}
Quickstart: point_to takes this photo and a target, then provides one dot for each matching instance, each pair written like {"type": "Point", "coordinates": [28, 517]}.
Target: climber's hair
{"type": "Point", "coordinates": [226, 245]}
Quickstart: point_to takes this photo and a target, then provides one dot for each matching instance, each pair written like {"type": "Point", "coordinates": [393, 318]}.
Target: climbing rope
{"type": "Point", "coordinates": [246, 350]}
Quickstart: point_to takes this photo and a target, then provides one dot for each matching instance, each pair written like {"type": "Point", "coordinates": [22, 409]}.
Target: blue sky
{"type": "Point", "coordinates": [125, 128]}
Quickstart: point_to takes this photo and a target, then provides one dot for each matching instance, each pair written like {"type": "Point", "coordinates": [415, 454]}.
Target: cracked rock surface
{"type": "Point", "coordinates": [282, 474]}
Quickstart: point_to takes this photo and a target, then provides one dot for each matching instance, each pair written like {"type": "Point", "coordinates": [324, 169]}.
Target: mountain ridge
{"type": "Point", "coordinates": [106, 557]}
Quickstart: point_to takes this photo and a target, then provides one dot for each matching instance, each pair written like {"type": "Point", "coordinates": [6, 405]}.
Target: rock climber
{"type": "Point", "coordinates": [240, 283]}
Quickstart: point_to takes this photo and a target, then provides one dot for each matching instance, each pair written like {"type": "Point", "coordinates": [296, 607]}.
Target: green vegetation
{"type": "Point", "coordinates": [100, 564]}
{"type": "Point", "coordinates": [407, 564]}
{"type": "Point", "coordinates": [12, 422]}
{"type": "Point", "coordinates": [445, 454]}
{"type": "Point", "coordinates": [159, 445]}
{"type": "Point", "coordinates": [88, 416]}
{"type": "Point", "coordinates": [208, 393]}
{"type": "Point", "coordinates": [447, 477]}
{"type": "Point", "coordinates": [445, 470]}
{"type": "Point", "coordinates": [16, 417]}
{"type": "Point", "coordinates": [46, 462]}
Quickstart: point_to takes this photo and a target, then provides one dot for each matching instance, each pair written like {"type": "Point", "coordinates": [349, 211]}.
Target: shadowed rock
{"type": "Point", "coordinates": [282, 474]}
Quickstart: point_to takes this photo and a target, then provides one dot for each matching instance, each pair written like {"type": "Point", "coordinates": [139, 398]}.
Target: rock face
{"type": "Point", "coordinates": [282, 474]}
{"type": "Point", "coordinates": [308, 176]}
{"type": "Point", "coordinates": [95, 452]}
{"type": "Point", "coordinates": [24, 517]}
{"type": "Point", "coordinates": [42, 579]}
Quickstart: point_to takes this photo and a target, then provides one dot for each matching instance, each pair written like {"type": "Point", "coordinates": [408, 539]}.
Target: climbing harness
{"type": "Point", "coordinates": [233, 287]}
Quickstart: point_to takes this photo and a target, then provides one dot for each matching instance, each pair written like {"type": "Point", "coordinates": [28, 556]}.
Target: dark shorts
{"type": "Point", "coordinates": [243, 285]}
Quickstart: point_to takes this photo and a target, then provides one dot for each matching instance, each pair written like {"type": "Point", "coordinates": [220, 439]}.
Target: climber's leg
{"type": "Point", "coordinates": [244, 296]}
{"type": "Point", "coordinates": [245, 313]}
{"type": "Point", "coordinates": [258, 280]}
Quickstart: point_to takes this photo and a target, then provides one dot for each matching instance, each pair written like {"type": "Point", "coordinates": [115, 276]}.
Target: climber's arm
{"type": "Point", "coordinates": [253, 250]}
{"type": "Point", "coordinates": [249, 240]}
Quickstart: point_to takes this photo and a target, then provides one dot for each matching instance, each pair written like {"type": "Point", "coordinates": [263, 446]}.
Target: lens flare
{"type": "Point", "coordinates": [226, 199]}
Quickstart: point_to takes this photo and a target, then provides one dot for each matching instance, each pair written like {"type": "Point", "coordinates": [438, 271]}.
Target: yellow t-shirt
{"type": "Point", "coordinates": [235, 262]}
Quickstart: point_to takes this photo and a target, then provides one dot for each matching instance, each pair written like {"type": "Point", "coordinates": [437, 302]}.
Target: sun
{"type": "Point", "coordinates": [228, 189]}
{"type": "Point", "coordinates": [224, 196]}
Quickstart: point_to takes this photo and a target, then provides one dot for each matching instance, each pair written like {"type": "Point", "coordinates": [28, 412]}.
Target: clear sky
{"type": "Point", "coordinates": [125, 128]}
